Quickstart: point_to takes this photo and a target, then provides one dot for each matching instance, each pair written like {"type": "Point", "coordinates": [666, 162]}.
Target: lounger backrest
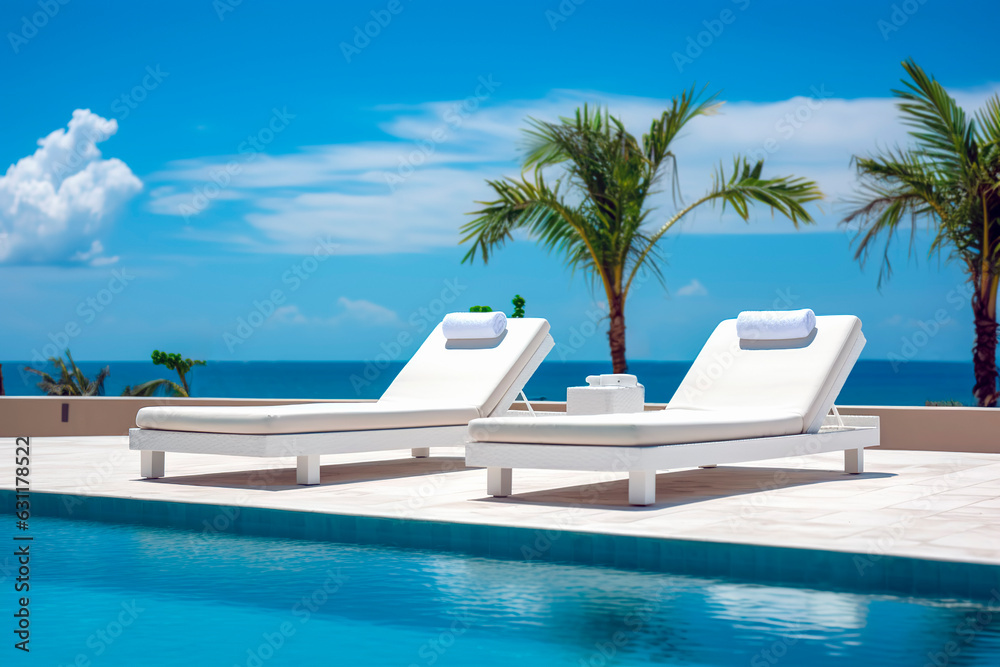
{"type": "Point", "coordinates": [468, 372]}
{"type": "Point", "coordinates": [803, 376]}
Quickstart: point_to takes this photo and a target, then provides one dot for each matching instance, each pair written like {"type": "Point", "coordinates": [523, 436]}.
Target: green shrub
{"type": "Point", "coordinates": [518, 302]}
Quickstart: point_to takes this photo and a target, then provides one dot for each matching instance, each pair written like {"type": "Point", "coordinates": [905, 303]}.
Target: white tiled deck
{"type": "Point", "coordinates": [933, 505]}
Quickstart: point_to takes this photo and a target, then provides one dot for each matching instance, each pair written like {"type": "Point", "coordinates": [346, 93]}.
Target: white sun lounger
{"type": "Point", "coordinates": [445, 384]}
{"type": "Point", "coordinates": [742, 400]}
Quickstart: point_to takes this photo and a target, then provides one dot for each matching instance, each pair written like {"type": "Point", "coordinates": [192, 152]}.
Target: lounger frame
{"type": "Point", "coordinates": [308, 447]}
{"type": "Point", "coordinates": [850, 434]}
{"type": "Point", "coordinates": [826, 433]}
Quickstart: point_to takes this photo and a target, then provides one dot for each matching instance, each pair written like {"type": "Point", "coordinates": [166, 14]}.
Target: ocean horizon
{"type": "Point", "coordinates": [872, 382]}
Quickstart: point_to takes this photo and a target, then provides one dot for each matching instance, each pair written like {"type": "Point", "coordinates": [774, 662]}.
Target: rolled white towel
{"type": "Point", "coordinates": [462, 326]}
{"type": "Point", "coordinates": [775, 324]}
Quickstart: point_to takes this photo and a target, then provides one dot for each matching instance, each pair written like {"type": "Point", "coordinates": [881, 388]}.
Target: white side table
{"type": "Point", "coordinates": [606, 394]}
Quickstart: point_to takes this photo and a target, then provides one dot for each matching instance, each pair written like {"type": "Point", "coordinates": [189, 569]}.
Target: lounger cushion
{"type": "Point", "coordinates": [735, 389]}
{"type": "Point", "coordinates": [799, 376]}
{"type": "Point", "coordinates": [446, 383]}
{"type": "Point", "coordinates": [469, 372]}
{"type": "Point", "coordinates": [657, 427]}
{"type": "Point", "coordinates": [304, 417]}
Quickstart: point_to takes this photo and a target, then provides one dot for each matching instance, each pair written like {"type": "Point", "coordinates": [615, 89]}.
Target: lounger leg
{"type": "Point", "coordinates": [498, 482]}
{"type": "Point", "coordinates": [420, 452]}
{"type": "Point", "coordinates": [641, 487]}
{"type": "Point", "coordinates": [151, 464]}
{"type": "Point", "coordinates": [854, 460]}
{"type": "Point", "coordinates": [307, 469]}
{"type": "Point", "coordinates": [711, 465]}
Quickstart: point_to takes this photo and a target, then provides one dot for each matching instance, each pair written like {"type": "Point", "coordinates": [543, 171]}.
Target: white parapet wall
{"type": "Point", "coordinates": [914, 428]}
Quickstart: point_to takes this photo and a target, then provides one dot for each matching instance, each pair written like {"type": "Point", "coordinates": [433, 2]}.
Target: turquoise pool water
{"type": "Point", "coordinates": [116, 594]}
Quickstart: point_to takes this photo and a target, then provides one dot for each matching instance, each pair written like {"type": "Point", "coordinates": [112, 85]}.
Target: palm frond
{"type": "Point", "coordinates": [746, 186]}
{"type": "Point", "coordinates": [937, 123]}
{"type": "Point", "coordinates": [882, 204]}
{"type": "Point", "coordinates": [943, 181]}
{"type": "Point", "coordinates": [663, 130]}
{"type": "Point", "coordinates": [988, 121]}
{"type": "Point", "coordinates": [534, 207]}
{"type": "Point", "coordinates": [72, 381]}
{"type": "Point", "coordinates": [161, 387]}
{"type": "Point", "coordinates": [783, 194]}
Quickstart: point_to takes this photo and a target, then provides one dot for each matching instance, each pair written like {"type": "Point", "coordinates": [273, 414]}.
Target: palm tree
{"type": "Point", "coordinates": [176, 362]}
{"type": "Point", "coordinates": [950, 180]}
{"type": "Point", "coordinates": [601, 225]}
{"type": "Point", "coordinates": [72, 381]}
{"type": "Point", "coordinates": [164, 387]}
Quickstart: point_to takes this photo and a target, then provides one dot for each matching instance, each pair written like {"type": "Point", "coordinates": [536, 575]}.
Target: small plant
{"type": "Point", "coordinates": [177, 363]}
{"type": "Point", "coordinates": [174, 362]}
{"type": "Point", "coordinates": [72, 381]}
{"type": "Point", "coordinates": [480, 309]}
{"type": "Point", "coordinates": [518, 302]}
{"type": "Point", "coordinates": [944, 404]}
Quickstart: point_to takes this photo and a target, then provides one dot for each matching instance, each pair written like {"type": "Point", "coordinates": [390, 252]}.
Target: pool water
{"type": "Point", "coordinates": [111, 594]}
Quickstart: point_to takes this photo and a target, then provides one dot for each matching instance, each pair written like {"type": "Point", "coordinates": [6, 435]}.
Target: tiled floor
{"type": "Point", "coordinates": [935, 505]}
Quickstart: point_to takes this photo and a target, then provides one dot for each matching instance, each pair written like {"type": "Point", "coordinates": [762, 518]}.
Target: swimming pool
{"type": "Point", "coordinates": [125, 594]}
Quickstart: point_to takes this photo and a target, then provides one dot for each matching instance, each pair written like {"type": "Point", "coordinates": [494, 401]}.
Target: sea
{"type": "Point", "coordinates": [871, 382]}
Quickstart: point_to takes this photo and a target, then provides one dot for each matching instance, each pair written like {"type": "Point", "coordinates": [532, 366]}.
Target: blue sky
{"type": "Point", "coordinates": [265, 164]}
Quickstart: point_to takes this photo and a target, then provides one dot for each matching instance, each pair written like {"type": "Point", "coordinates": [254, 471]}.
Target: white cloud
{"type": "Point", "coordinates": [55, 202]}
{"type": "Point", "coordinates": [94, 256]}
{"type": "Point", "coordinates": [892, 320]}
{"type": "Point", "coordinates": [351, 311]}
{"type": "Point", "coordinates": [367, 312]}
{"type": "Point", "coordinates": [289, 315]}
{"type": "Point", "coordinates": [413, 190]}
{"type": "Point", "coordinates": [693, 288]}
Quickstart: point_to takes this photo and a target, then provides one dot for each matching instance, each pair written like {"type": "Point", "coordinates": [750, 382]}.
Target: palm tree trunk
{"type": "Point", "coordinates": [616, 334]}
{"type": "Point", "coordinates": [984, 353]}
